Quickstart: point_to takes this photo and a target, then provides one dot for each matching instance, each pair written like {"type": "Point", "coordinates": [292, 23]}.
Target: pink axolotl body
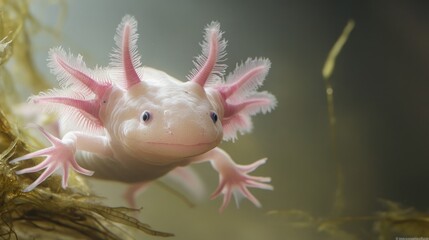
{"type": "Point", "coordinates": [135, 124]}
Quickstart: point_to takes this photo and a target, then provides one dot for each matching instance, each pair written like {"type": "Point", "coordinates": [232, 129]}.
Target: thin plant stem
{"type": "Point", "coordinates": [327, 71]}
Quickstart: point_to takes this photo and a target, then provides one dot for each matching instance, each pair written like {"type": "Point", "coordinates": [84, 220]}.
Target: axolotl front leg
{"type": "Point", "coordinates": [234, 178]}
{"type": "Point", "coordinates": [61, 155]}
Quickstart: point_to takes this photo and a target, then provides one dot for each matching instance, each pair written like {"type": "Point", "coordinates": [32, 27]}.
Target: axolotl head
{"type": "Point", "coordinates": [161, 119]}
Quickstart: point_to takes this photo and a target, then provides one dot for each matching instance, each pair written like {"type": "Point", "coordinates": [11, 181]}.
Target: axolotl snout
{"type": "Point", "coordinates": [134, 124]}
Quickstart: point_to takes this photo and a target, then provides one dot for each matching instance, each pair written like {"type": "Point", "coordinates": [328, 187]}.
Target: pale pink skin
{"type": "Point", "coordinates": [106, 110]}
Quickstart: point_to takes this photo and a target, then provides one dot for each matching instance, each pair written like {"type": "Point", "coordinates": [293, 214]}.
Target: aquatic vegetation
{"type": "Point", "coordinates": [49, 210]}
{"type": "Point", "coordinates": [392, 221]}
{"type": "Point", "coordinates": [327, 71]}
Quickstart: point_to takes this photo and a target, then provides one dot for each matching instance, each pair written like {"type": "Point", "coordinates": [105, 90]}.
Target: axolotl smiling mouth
{"type": "Point", "coordinates": [177, 149]}
{"type": "Point", "coordinates": [181, 145]}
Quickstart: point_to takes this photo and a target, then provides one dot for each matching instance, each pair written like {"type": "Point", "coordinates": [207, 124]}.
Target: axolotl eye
{"type": "Point", "coordinates": [145, 116]}
{"type": "Point", "coordinates": [213, 116]}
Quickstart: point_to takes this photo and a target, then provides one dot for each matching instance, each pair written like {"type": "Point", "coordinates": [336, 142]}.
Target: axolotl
{"type": "Point", "coordinates": [134, 124]}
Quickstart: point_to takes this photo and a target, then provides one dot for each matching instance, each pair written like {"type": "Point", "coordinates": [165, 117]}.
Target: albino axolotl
{"type": "Point", "coordinates": [134, 124]}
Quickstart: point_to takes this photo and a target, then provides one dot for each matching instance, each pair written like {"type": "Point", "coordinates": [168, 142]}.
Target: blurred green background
{"type": "Point", "coordinates": [381, 86]}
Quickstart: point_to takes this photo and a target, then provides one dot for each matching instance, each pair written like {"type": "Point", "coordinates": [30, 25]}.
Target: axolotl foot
{"type": "Point", "coordinates": [234, 179]}
{"type": "Point", "coordinates": [235, 182]}
{"type": "Point", "coordinates": [59, 156]}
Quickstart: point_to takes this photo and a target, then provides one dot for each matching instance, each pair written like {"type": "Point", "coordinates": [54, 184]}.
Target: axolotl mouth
{"type": "Point", "coordinates": [176, 150]}
{"type": "Point", "coordinates": [182, 145]}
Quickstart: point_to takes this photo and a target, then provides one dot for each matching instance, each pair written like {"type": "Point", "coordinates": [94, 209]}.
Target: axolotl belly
{"type": "Point", "coordinates": [134, 124]}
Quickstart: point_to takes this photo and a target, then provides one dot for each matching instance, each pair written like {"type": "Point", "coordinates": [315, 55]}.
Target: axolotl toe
{"type": "Point", "coordinates": [134, 124]}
